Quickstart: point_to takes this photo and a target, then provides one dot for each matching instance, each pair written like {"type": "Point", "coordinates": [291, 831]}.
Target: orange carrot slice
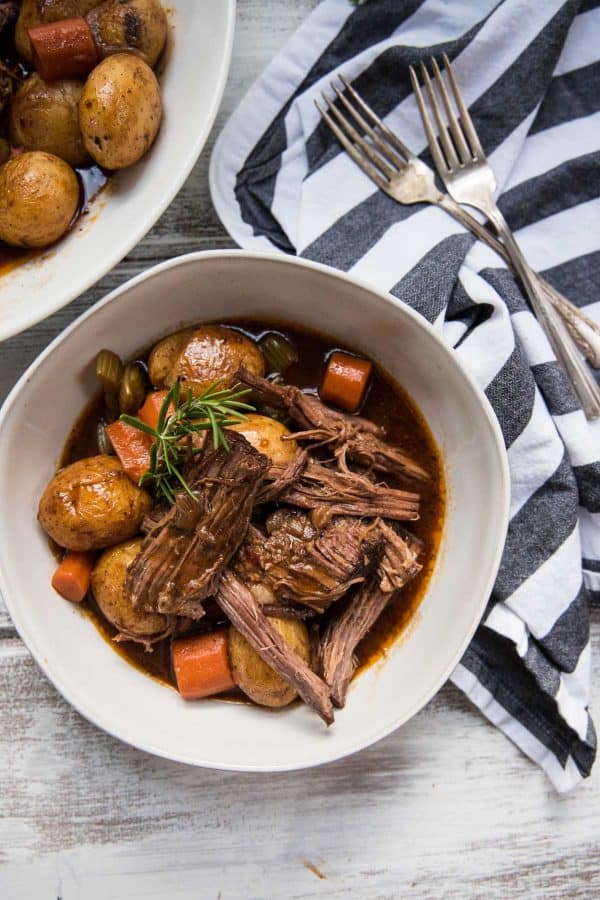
{"type": "Point", "coordinates": [132, 446]}
{"type": "Point", "coordinates": [201, 665]}
{"type": "Point", "coordinates": [150, 411]}
{"type": "Point", "coordinates": [63, 49]}
{"type": "Point", "coordinates": [345, 381]}
{"type": "Point", "coordinates": [72, 577]}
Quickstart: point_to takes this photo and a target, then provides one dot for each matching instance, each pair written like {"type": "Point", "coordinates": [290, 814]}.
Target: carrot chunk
{"type": "Point", "coordinates": [201, 665]}
{"type": "Point", "coordinates": [345, 381]}
{"type": "Point", "coordinates": [72, 577]}
{"type": "Point", "coordinates": [132, 446]}
{"type": "Point", "coordinates": [63, 49]}
{"type": "Point", "coordinates": [149, 412]}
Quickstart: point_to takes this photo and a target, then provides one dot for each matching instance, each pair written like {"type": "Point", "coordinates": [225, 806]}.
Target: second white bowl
{"type": "Point", "coordinates": [192, 86]}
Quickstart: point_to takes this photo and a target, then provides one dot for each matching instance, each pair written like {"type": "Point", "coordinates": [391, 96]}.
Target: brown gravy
{"type": "Point", "coordinates": [386, 404]}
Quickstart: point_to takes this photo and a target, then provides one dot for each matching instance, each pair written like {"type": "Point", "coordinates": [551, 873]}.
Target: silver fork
{"type": "Point", "coordinates": [469, 178]}
{"type": "Point", "coordinates": [409, 180]}
{"type": "Point", "coordinates": [398, 172]}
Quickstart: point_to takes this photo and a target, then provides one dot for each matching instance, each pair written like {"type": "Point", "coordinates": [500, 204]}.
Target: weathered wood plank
{"type": "Point", "coordinates": [444, 806]}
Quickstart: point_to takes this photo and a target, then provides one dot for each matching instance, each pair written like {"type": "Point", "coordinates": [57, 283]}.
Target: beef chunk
{"type": "Point", "coordinates": [398, 565]}
{"type": "Point", "coordinates": [184, 553]}
{"type": "Point", "coordinates": [308, 566]}
{"type": "Point", "coordinates": [350, 437]}
{"type": "Point", "coordinates": [243, 612]}
{"type": "Point", "coordinates": [279, 478]}
{"type": "Point", "coordinates": [333, 493]}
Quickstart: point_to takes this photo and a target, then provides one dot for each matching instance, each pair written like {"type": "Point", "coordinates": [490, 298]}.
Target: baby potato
{"type": "Point", "coordinates": [202, 356]}
{"type": "Point", "coordinates": [41, 12]}
{"type": "Point", "coordinates": [164, 354]}
{"type": "Point", "coordinates": [253, 676]}
{"type": "Point", "coordinates": [39, 196]}
{"type": "Point", "coordinates": [122, 24]}
{"type": "Point", "coordinates": [45, 116]}
{"type": "Point", "coordinates": [111, 595]}
{"type": "Point", "coordinates": [265, 435]}
{"type": "Point", "coordinates": [120, 111]}
{"type": "Point", "coordinates": [92, 504]}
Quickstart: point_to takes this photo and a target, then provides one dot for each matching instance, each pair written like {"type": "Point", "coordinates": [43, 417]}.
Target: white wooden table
{"type": "Point", "coordinates": [445, 807]}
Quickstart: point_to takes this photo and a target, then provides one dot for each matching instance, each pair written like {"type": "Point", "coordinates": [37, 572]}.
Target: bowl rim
{"type": "Point", "coordinates": [32, 314]}
{"type": "Point", "coordinates": [102, 721]}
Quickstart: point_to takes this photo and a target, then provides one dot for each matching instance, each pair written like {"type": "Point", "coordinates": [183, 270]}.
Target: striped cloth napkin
{"type": "Point", "coordinates": [279, 180]}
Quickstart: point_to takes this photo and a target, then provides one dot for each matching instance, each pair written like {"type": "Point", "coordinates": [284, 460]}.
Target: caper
{"type": "Point", "coordinates": [134, 387]}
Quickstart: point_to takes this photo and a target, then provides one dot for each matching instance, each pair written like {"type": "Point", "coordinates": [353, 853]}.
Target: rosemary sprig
{"type": "Point", "coordinates": [179, 418]}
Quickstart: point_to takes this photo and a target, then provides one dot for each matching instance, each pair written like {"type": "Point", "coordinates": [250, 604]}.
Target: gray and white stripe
{"type": "Point", "coordinates": [531, 75]}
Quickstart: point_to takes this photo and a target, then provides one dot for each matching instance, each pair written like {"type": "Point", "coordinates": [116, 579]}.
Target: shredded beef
{"type": "Point", "coordinates": [183, 555]}
{"type": "Point", "coordinates": [306, 566]}
{"type": "Point", "coordinates": [350, 437]}
{"type": "Point", "coordinates": [243, 612]}
{"type": "Point", "coordinates": [333, 492]}
{"type": "Point", "coordinates": [9, 79]}
{"type": "Point", "coordinates": [279, 478]}
{"type": "Point", "coordinates": [398, 565]}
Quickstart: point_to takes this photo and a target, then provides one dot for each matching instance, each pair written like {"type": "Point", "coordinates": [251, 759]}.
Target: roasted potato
{"type": "Point", "coordinates": [120, 111]}
{"type": "Point", "coordinates": [200, 356]}
{"type": "Point", "coordinates": [41, 12]}
{"type": "Point", "coordinates": [39, 196]}
{"type": "Point", "coordinates": [265, 434]}
{"type": "Point", "coordinates": [140, 25]}
{"type": "Point", "coordinates": [92, 504]}
{"type": "Point", "coordinates": [253, 676]}
{"type": "Point", "coordinates": [45, 116]}
{"type": "Point", "coordinates": [164, 355]}
{"type": "Point", "coordinates": [111, 595]}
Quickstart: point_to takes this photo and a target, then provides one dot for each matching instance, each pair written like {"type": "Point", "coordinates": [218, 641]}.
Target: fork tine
{"type": "Point", "coordinates": [447, 145]}
{"type": "Point", "coordinates": [459, 140]}
{"type": "Point", "coordinates": [358, 139]}
{"type": "Point", "coordinates": [438, 159]}
{"type": "Point", "coordinates": [465, 118]}
{"type": "Point", "coordinates": [353, 151]}
{"type": "Point", "coordinates": [389, 134]}
{"type": "Point", "coordinates": [376, 138]}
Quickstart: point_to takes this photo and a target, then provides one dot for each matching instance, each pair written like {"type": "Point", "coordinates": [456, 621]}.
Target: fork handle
{"type": "Point", "coordinates": [581, 378]}
{"type": "Point", "coordinates": [584, 331]}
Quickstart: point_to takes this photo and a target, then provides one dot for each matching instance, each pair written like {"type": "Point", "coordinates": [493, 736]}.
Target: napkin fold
{"type": "Point", "coordinates": [279, 180]}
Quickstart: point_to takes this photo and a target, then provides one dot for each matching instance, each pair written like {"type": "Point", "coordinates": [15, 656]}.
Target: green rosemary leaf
{"type": "Point", "coordinates": [179, 418]}
{"type": "Point", "coordinates": [137, 423]}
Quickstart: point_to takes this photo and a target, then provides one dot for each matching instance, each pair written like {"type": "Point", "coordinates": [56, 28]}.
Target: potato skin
{"type": "Point", "coordinates": [39, 196]}
{"type": "Point", "coordinates": [34, 12]}
{"type": "Point", "coordinates": [120, 111]}
{"type": "Point", "coordinates": [203, 355]}
{"type": "Point", "coordinates": [122, 24]}
{"type": "Point", "coordinates": [163, 356]}
{"type": "Point", "coordinates": [108, 584]}
{"type": "Point", "coordinates": [265, 435]}
{"type": "Point", "coordinates": [253, 676]}
{"type": "Point", "coordinates": [92, 504]}
{"type": "Point", "coordinates": [45, 116]}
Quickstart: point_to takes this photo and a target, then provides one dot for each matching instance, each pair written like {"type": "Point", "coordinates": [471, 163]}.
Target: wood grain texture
{"type": "Point", "coordinates": [446, 807]}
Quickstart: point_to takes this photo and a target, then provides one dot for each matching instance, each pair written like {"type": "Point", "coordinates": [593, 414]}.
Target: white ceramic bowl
{"type": "Point", "coordinates": [41, 409]}
{"type": "Point", "coordinates": [192, 86]}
